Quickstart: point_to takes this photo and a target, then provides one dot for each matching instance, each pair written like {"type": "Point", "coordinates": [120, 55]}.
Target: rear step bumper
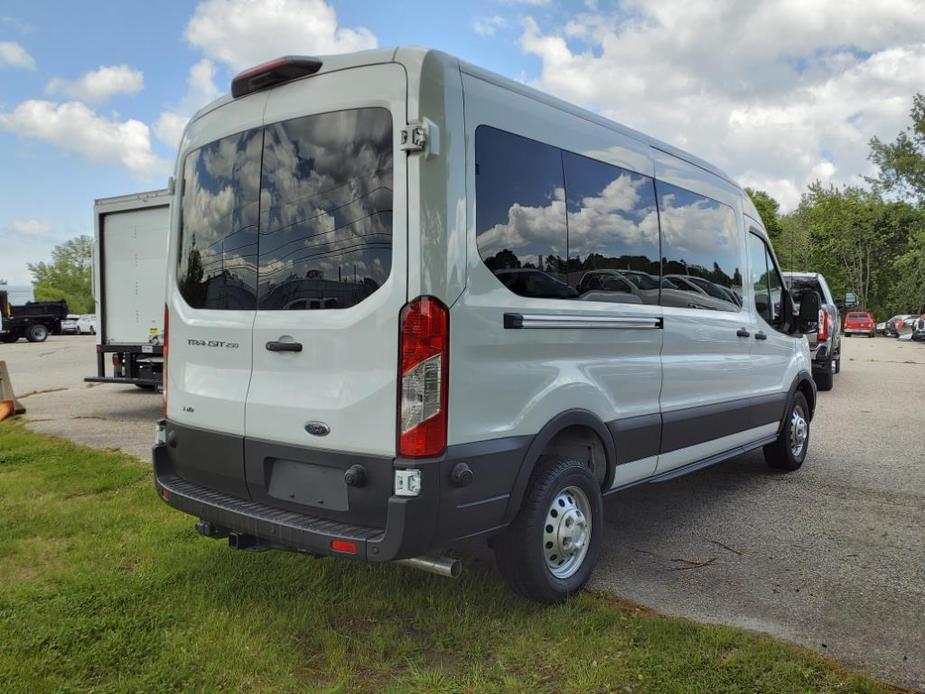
{"type": "Point", "coordinates": [408, 532]}
{"type": "Point", "coordinates": [448, 510]}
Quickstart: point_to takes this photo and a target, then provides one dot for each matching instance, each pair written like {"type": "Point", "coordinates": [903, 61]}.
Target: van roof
{"type": "Point", "coordinates": [413, 57]}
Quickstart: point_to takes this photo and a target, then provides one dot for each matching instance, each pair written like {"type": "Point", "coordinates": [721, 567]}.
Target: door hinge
{"type": "Point", "coordinates": [421, 137]}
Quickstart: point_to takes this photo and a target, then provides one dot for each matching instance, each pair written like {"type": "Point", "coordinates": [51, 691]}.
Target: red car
{"type": "Point", "coordinates": [860, 323]}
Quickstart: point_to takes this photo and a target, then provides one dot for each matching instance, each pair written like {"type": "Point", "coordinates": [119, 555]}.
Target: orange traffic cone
{"type": "Point", "coordinates": [9, 405]}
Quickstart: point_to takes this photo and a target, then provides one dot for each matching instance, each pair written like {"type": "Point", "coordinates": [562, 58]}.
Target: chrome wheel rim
{"type": "Point", "coordinates": [799, 431]}
{"type": "Point", "coordinates": [567, 532]}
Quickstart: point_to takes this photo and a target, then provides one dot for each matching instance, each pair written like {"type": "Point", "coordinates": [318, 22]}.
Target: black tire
{"type": "Point", "coordinates": [781, 455]}
{"type": "Point", "coordinates": [145, 386]}
{"type": "Point", "coordinates": [522, 551]}
{"type": "Point", "coordinates": [838, 365]}
{"type": "Point", "coordinates": [825, 379]}
{"type": "Point", "coordinates": [9, 338]}
{"type": "Point", "coordinates": [37, 333]}
{"type": "Point", "coordinates": [847, 334]}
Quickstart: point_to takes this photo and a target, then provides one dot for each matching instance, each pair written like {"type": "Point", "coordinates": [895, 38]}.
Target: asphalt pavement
{"type": "Point", "coordinates": [831, 556]}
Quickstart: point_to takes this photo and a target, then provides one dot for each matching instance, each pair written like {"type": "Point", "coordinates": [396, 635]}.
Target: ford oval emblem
{"type": "Point", "coordinates": [317, 428]}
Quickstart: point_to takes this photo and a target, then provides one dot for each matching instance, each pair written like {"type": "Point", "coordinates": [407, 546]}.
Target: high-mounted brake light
{"type": "Point", "coordinates": [275, 72]}
{"type": "Point", "coordinates": [423, 371]}
{"type": "Point", "coordinates": [164, 367]}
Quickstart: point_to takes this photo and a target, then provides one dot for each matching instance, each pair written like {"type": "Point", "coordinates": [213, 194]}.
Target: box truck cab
{"type": "Point", "coordinates": [411, 303]}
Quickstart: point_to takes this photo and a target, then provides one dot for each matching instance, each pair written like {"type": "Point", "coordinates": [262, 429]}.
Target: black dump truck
{"type": "Point", "coordinates": [34, 320]}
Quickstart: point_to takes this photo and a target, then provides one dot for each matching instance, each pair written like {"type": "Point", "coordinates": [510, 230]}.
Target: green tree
{"type": "Point", "coordinates": [68, 277]}
{"type": "Point", "coordinates": [902, 162]}
{"type": "Point", "coordinates": [908, 271]}
{"type": "Point", "coordinates": [768, 208]}
{"type": "Point", "coordinates": [853, 238]}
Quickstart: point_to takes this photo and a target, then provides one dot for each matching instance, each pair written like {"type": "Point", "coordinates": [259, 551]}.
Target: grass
{"type": "Point", "coordinates": [105, 588]}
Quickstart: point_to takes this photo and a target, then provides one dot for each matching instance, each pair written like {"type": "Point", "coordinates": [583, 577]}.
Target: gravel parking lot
{"type": "Point", "coordinates": [831, 557]}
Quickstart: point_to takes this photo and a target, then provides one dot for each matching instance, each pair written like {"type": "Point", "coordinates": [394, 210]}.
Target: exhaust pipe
{"type": "Point", "coordinates": [442, 566]}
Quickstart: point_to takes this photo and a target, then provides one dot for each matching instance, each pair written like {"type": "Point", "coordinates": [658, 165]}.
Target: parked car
{"type": "Point", "coordinates": [69, 325]}
{"type": "Point", "coordinates": [860, 323]}
{"type": "Point", "coordinates": [454, 393]}
{"type": "Point", "coordinates": [86, 324]}
{"type": "Point", "coordinates": [881, 328]}
{"type": "Point", "coordinates": [825, 344]}
{"type": "Point", "coordinates": [918, 329]}
{"type": "Point", "coordinates": [901, 324]}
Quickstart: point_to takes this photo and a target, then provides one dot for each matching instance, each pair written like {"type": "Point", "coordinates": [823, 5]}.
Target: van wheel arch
{"type": "Point", "coordinates": [804, 384]}
{"type": "Point", "coordinates": [576, 434]}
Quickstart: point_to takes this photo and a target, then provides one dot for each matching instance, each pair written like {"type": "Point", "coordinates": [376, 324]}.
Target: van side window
{"type": "Point", "coordinates": [520, 213]}
{"type": "Point", "coordinates": [325, 210]}
{"type": "Point", "coordinates": [702, 251]}
{"type": "Point", "coordinates": [613, 244]}
{"type": "Point", "coordinates": [217, 265]}
{"type": "Point", "coordinates": [766, 280]}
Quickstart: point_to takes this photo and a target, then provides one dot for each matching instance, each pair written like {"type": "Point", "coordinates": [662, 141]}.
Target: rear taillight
{"type": "Point", "coordinates": [423, 378]}
{"type": "Point", "coordinates": [164, 368]}
{"type": "Point", "coordinates": [823, 333]}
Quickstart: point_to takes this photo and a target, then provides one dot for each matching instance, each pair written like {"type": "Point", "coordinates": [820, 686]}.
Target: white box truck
{"type": "Point", "coordinates": [130, 257]}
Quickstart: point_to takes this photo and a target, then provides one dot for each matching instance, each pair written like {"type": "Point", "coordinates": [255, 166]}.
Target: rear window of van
{"type": "Point", "coordinates": [292, 216]}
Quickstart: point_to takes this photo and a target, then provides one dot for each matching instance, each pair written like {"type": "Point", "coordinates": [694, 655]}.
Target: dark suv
{"type": "Point", "coordinates": [824, 345]}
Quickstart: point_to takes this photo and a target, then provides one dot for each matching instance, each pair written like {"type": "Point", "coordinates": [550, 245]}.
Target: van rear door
{"type": "Point", "coordinates": [212, 291]}
{"type": "Point", "coordinates": [332, 273]}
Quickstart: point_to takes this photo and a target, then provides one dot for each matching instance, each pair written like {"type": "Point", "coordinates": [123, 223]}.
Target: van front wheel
{"type": "Point", "coordinates": [789, 451]}
{"type": "Point", "coordinates": [549, 551]}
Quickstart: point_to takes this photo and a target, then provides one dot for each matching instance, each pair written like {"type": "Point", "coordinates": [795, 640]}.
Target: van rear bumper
{"type": "Point", "coordinates": [405, 534]}
{"type": "Point", "coordinates": [443, 514]}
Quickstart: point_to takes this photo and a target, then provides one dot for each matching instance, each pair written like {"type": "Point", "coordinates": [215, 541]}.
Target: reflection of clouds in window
{"type": "Point", "coordinates": [702, 249]}
{"type": "Point", "coordinates": [619, 220]}
{"type": "Point", "coordinates": [326, 207]}
{"type": "Point", "coordinates": [219, 216]}
{"type": "Point", "coordinates": [324, 185]}
{"type": "Point", "coordinates": [531, 230]}
{"type": "Point", "coordinates": [697, 226]}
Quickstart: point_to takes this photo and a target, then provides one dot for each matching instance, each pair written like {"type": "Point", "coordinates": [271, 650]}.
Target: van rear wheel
{"type": "Point", "coordinates": [789, 451]}
{"type": "Point", "coordinates": [549, 551]}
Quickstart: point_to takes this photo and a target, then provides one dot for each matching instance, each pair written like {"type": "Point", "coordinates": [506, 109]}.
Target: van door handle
{"type": "Point", "coordinates": [284, 346]}
{"type": "Point", "coordinates": [742, 332]}
{"type": "Point", "coordinates": [760, 336]}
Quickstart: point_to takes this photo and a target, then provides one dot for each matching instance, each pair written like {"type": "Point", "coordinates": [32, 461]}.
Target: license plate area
{"type": "Point", "coordinates": [308, 485]}
{"type": "Point", "coordinates": [298, 479]}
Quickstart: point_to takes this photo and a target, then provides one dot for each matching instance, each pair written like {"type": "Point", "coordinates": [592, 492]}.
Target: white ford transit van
{"type": "Point", "coordinates": [411, 303]}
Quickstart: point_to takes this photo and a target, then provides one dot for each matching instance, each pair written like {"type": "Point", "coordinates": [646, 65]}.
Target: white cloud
{"type": "Point", "coordinates": [14, 55]}
{"type": "Point", "coordinates": [242, 33]}
{"type": "Point", "coordinates": [200, 90]}
{"type": "Point", "coordinates": [74, 127]}
{"type": "Point", "coordinates": [778, 93]}
{"type": "Point", "coordinates": [99, 85]}
{"type": "Point", "coordinates": [30, 227]}
{"type": "Point", "coordinates": [487, 26]}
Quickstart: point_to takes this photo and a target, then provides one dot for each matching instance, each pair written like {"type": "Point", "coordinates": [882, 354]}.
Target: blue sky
{"type": "Point", "coordinates": [778, 97]}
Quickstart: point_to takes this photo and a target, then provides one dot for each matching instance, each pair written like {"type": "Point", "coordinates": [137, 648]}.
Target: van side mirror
{"type": "Point", "coordinates": [808, 318]}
